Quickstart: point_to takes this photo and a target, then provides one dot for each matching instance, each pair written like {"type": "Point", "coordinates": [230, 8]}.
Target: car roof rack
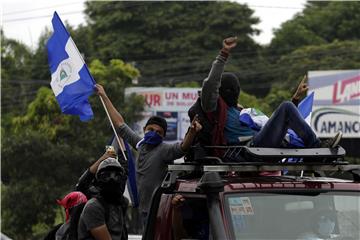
{"type": "Point", "coordinates": [262, 167]}
{"type": "Point", "coordinates": [257, 160]}
{"type": "Point", "coordinates": [259, 154]}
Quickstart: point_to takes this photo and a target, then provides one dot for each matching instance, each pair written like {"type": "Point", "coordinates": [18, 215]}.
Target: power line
{"type": "Point", "coordinates": [37, 17]}
{"type": "Point", "coordinates": [109, 7]}
{"type": "Point", "coordinates": [248, 63]}
{"type": "Point", "coordinates": [124, 6]}
{"type": "Point", "coordinates": [278, 7]}
{"type": "Point", "coordinates": [36, 9]}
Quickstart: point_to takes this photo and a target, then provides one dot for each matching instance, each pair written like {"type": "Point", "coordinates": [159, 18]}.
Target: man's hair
{"type": "Point", "coordinates": [158, 121]}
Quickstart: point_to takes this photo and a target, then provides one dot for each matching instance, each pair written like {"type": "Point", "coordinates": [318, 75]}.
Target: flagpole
{"type": "Point", "coordinates": [113, 128]}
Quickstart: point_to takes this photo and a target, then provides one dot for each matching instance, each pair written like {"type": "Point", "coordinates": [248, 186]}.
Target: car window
{"type": "Point", "coordinates": [332, 215]}
{"type": "Point", "coordinates": [191, 219]}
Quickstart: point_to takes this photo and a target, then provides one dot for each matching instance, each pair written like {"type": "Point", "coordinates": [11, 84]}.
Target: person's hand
{"type": "Point", "coordinates": [107, 155]}
{"type": "Point", "coordinates": [100, 90]}
{"type": "Point", "coordinates": [229, 43]}
{"type": "Point", "coordinates": [301, 89]}
{"type": "Point", "coordinates": [177, 200]}
{"type": "Point", "coordinates": [93, 168]}
{"type": "Point", "coordinates": [195, 126]}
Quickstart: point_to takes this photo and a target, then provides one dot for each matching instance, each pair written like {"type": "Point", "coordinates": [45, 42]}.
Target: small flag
{"type": "Point", "coordinates": [305, 109]}
{"type": "Point", "coordinates": [253, 118]}
{"type": "Point", "coordinates": [131, 184]}
{"type": "Point", "coordinates": [71, 81]}
{"type": "Point", "coordinates": [131, 187]}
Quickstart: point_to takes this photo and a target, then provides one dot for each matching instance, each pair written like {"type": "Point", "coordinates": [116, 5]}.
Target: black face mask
{"type": "Point", "coordinates": [230, 89]}
{"type": "Point", "coordinates": [111, 185]}
{"type": "Point", "coordinates": [112, 191]}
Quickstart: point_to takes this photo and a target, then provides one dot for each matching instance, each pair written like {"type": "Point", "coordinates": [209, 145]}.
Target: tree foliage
{"type": "Point", "coordinates": [170, 42]}
{"type": "Point", "coordinates": [319, 23]}
{"type": "Point", "coordinates": [339, 55]}
{"type": "Point", "coordinates": [14, 56]}
{"type": "Point", "coordinates": [45, 151]}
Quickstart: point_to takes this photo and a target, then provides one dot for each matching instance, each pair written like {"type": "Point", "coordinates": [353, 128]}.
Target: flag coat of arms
{"type": "Point", "coordinates": [71, 80]}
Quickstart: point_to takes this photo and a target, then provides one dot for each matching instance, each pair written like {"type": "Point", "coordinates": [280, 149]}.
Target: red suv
{"type": "Point", "coordinates": [273, 194]}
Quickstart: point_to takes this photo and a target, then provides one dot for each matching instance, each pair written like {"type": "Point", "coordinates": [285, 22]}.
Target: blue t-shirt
{"type": "Point", "coordinates": [234, 128]}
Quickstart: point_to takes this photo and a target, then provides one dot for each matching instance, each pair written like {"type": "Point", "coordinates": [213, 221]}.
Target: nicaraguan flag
{"type": "Point", "coordinates": [305, 109]}
{"type": "Point", "coordinates": [131, 186]}
{"type": "Point", "coordinates": [71, 81]}
{"type": "Point", "coordinates": [253, 118]}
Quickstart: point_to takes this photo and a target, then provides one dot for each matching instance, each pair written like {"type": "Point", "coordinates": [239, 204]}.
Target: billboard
{"type": "Point", "coordinates": [170, 103]}
{"type": "Point", "coordinates": [336, 102]}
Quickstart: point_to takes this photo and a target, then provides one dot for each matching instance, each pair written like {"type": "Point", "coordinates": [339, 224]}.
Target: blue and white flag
{"type": "Point", "coordinates": [253, 118]}
{"type": "Point", "coordinates": [131, 186]}
{"type": "Point", "coordinates": [71, 80]}
{"type": "Point", "coordinates": [305, 109]}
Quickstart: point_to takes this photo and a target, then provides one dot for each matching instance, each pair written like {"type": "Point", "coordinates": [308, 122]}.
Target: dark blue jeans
{"type": "Point", "coordinates": [285, 116]}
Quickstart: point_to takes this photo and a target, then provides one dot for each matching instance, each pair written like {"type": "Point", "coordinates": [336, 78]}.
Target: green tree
{"type": "Point", "coordinates": [44, 151]}
{"type": "Point", "coordinates": [15, 85]}
{"type": "Point", "coordinates": [173, 42]}
{"type": "Point", "coordinates": [37, 172]}
{"type": "Point", "coordinates": [250, 101]}
{"type": "Point", "coordinates": [338, 55]}
{"type": "Point", "coordinates": [319, 23]}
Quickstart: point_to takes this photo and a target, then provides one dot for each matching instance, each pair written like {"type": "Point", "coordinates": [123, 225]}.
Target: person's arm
{"type": "Point", "coordinates": [211, 84]}
{"type": "Point", "coordinates": [100, 233]}
{"type": "Point", "coordinates": [93, 168]}
{"type": "Point", "coordinates": [122, 129]}
{"type": "Point", "coordinates": [177, 219]}
{"type": "Point", "coordinates": [115, 116]}
{"type": "Point", "coordinates": [88, 176]}
{"type": "Point", "coordinates": [194, 128]}
{"type": "Point", "coordinates": [92, 220]}
{"type": "Point", "coordinates": [300, 91]}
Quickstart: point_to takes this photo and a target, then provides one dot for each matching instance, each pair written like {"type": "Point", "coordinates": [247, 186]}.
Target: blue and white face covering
{"type": "Point", "coordinates": [151, 138]}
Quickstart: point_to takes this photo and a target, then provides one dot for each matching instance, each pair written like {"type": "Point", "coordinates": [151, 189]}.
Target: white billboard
{"type": "Point", "coordinates": [170, 103]}
{"type": "Point", "coordinates": [336, 102]}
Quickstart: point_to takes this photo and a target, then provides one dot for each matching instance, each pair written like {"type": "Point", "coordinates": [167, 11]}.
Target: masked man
{"type": "Point", "coordinates": [154, 154]}
{"type": "Point", "coordinates": [219, 100]}
{"type": "Point", "coordinates": [103, 217]}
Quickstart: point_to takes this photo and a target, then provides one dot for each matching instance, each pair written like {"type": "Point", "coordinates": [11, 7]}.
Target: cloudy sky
{"type": "Point", "coordinates": [24, 20]}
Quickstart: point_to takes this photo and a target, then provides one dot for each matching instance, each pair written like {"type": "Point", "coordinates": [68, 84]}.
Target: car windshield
{"type": "Point", "coordinates": [331, 215]}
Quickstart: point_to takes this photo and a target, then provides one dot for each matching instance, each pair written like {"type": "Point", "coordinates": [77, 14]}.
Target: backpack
{"type": "Point", "coordinates": [212, 132]}
{"type": "Point", "coordinates": [68, 231]}
{"type": "Point", "coordinates": [204, 137]}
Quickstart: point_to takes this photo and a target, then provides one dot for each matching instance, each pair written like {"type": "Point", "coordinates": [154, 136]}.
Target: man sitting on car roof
{"type": "Point", "coordinates": [219, 101]}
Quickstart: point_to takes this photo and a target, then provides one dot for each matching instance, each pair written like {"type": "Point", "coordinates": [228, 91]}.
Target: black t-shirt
{"type": "Point", "coordinates": [94, 215]}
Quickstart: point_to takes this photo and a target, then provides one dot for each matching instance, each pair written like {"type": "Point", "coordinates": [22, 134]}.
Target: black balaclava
{"type": "Point", "coordinates": [111, 180]}
{"type": "Point", "coordinates": [112, 189]}
{"type": "Point", "coordinates": [230, 88]}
